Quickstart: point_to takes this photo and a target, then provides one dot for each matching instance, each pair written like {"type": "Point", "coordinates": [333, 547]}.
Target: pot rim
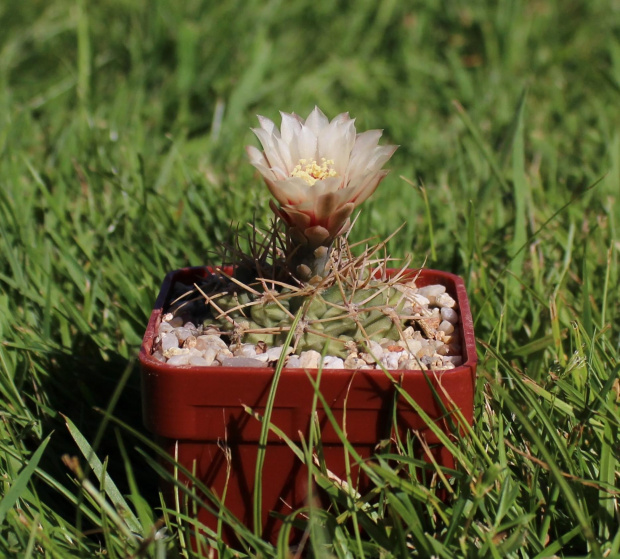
{"type": "Point", "coordinates": [469, 354]}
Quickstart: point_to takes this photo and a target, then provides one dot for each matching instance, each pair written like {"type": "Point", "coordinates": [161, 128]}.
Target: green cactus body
{"type": "Point", "coordinates": [270, 313]}
{"type": "Point", "coordinates": [333, 316]}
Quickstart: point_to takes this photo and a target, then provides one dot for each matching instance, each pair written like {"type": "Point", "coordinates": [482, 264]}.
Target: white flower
{"type": "Point", "coordinates": [318, 170]}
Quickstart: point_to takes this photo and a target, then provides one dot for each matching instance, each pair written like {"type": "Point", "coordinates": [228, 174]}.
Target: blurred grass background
{"type": "Point", "coordinates": [122, 127]}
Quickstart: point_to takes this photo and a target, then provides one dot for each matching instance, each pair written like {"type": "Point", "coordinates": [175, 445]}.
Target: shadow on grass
{"type": "Point", "coordinates": [79, 386]}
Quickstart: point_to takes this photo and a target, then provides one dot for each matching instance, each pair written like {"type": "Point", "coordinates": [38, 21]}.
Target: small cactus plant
{"type": "Point", "coordinates": [351, 304]}
{"type": "Point", "coordinates": [319, 171]}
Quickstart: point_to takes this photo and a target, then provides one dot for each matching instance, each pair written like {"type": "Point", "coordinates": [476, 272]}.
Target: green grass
{"type": "Point", "coordinates": [122, 126]}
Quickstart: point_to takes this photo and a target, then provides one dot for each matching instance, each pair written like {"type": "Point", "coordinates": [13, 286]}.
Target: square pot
{"type": "Point", "coordinates": [195, 411]}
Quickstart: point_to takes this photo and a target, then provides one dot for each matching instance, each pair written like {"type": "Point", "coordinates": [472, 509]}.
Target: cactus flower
{"type": "Point", "coordinates": [319, 171]}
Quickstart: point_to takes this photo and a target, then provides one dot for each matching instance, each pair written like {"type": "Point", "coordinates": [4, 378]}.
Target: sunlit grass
{"type": "Point", "coordinates": [122, 126]}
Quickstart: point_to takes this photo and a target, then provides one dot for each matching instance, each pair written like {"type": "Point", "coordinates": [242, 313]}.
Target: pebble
{"type": "Point", "coordinates": [412, 365]}
{"type": "Point", "coordinates": [210, 340]}
{"type": "Point", "coordinates": [431, 341]}
{"type": "Point", "coordinates": [210, 354]}
{"type": "Point", "coordinates": [273, 353]}
{"type": "Point", "coordinates": [429, 361]}
{"type": "Point", "coordinates": [444, 300]}
{"type": "Point", "coordinates": [375, 349]}
{"type": "Point", "coordinates": [198, 361]}
{"type": "Point", "coordinates": [425, 351]}
{"type": "Point", "coordinates": [262, 357]}
{"type": "Point", "coordinates": [182, 333]}
{"type": "Point", "coordinates": [309, 359]}
{"type": "Point", "coordinates": [224, 354]}
{"type": "Point", "coordinates": [164, 328]}
{"type": "Point", "coordinates": [245, 350]}
{"type": "Point", "coordinates": [390, 360]}
{"type": "Point", "coordinates": [190, 342]}
{"type": "Point", "coordinates": [431, 292]}
{"type": "Point", "coordinates": [419, 303]}
{"type": "Point", "coordinates": [159, 356]}
{"type": "Point", "coordinates": [169, 341]}
{"type": "Point", "coordinates": [181, 359]}
{"type": "Point", "coordinates": [332, 362]}
{"type": "Point", "coordinates": [450, 315]}
{"type": "Point", "coordinates": [446, 327]}
{"type": "Point", "coordinates": [352, 361]}
{"type": "Point", "coordinates": [412, 346]}
{"type": "Point", "coordinates": [176, 351]}
{"type": "Point", "coordinates": [456, 360]}
{"type": "Point", "coordinates": [293, 362]}
{"type": "Point", "coordinates": [367, 358]}
{"type": "Point", "coordinates": [242, 362]}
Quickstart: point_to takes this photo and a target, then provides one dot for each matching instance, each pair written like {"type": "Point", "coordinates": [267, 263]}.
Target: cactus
{"type": "Point", "coordinates": [350, 305]}
{"type": "Point", "coordinates": [318, 171]}
{"type": "Point", "coordinates": [303, 274]}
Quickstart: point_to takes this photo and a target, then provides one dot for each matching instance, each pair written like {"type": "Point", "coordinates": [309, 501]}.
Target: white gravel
{"type": "Point", "coordinates": [432, 342]}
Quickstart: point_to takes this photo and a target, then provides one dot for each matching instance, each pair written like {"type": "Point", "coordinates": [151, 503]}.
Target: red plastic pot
{"type": "Point", "coordinates": [193, 411]}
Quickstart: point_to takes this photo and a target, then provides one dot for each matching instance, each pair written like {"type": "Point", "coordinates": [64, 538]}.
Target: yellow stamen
{"type": "Point", "coordinates": [311, 171]}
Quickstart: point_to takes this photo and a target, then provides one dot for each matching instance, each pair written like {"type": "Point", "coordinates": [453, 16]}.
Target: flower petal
{"type": "Point", "coordinates": [366, 187]}
{"type": "Point", "coordinates": [301, 220]}
{"type": "Point", "coordinates": [342, 117]}
{"type": "Point", "coordinates": [256, 156]}
{"type": "Point", "coordinates": [366, 142]}
{"type": "Point", "coordinates": [338, 218]}
{"type": "Point", "coordinates": [264, 137]}
{"type": "Point", "coordinates": [290, 191]}
{"type": "Point", "coordinates": [258, 160]}
{"type": "Point", "coordinates": [307, 144]}
{"type": "Point", "coordinates": [380, 156]}
{"type": "Point", "coordinates": [267, 125]}
{"type": "Point", "coordinates": [325, 206]}
{"type": "Point", "coordinates": [362, 151]}
{"type": "Point", "coordinates": [336, 142]}
{"type": "Point", "coordinates": [288, 154]}
{"type": "Point", "coordinates": [330, 184]}
{"type": "Point", "coordinates": [368, 159]}
{"type": "Point", "coordinates": [291, 125]}
{"type": "Point", "coordinates": [271, 151]}
{"type": "Point", "coordinates": [316, 121]}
